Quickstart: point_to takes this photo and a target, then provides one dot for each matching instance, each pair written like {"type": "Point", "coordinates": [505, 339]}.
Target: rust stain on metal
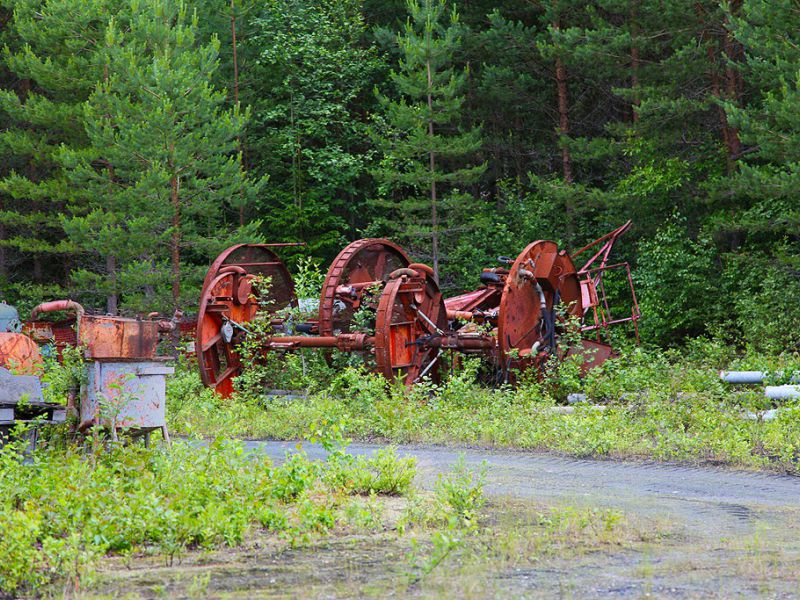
{"type": "Point", "coordinates": [125, 377]}
{"type": "Point", "coordinates": [117, 337]}
{"type": "Point", "coordinates": [20, 354]}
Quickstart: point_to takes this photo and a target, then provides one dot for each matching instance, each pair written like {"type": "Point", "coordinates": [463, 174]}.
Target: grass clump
{"type": "Point", "coordinates": [61, 510]}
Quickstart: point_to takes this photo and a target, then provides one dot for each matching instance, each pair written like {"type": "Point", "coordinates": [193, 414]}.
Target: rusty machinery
{"type": "Point", "coordinates": [515, 318]}
{"type": "Point", "coordinates": [125, 376]}
{"type": "Point", "coordinates": [21, 397]}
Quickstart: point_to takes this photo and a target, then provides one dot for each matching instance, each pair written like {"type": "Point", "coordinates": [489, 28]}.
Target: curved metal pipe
{"type": "Point", "coordinates": [57, 305]}
{"type": "Point", "coordinates": [421, 267]}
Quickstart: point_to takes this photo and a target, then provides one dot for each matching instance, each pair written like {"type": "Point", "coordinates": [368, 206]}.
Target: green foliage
{"type": "Point", "coordinates": [164, 185]}
{"type": "Point", "coordinates": [308, 278]}
{"type": "Point", "coordinates": [62, 378]}
{"type": "Point", "coordinates": [661, 405]}
{"type": "Point", "coordinates": [62, 511]}
{"type": "Point", "coordinates": [684, 108]}
{"type": "Point", "coordinates": [764, 297]}
{"type": "Point", "coordinates": [679, 285]}
{"type": "Point", "coordinates": [460, 493]}
{"type": "Point", "coordinates": [309, 130]}
{"type": "Point", "coordinates": [458, 498]}
{"type": "Point", "coordinates": [52, 62]}
{"type": "Point", "coordinates": [384, 473]}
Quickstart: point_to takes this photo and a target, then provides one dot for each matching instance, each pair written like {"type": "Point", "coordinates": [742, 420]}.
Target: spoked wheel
{"type": "Point", "coordinates": [411, 309]}
{"type": "Point", "coordinates": [360, 263]}
{"type": "Point", "coordinates": [228, 302]}
{"type": "Point", "coordinates": [541, 278]}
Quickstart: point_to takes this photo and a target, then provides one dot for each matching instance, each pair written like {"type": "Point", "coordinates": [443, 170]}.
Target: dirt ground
{"type": "Point", "coordinates": [554, 527]}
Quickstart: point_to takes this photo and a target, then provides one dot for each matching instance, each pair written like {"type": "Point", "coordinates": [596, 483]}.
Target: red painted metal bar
{"type": "Point", "coordinates": [608, 241]}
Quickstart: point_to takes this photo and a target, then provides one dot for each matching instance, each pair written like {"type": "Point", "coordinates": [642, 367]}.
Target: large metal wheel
{"type": "Point", "coordinates": [361, 262]}
{"type": "Point", "coordinates": [228, 301]}
{"type": "Point", "coordinates": [411, 308]}
{"type": "Point", "coordinates": [541, 278]}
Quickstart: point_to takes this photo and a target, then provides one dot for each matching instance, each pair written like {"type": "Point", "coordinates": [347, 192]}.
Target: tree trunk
{"type": "Point", "coordinates": [235, 58]}
{"type": "Point", "coordinates": [563, 131]}
{"type": "Point", "coordinates": [730, 136]}
{"type": "Point", "coordinates": [563, 119]}
{"type": "Point", "coordinates": [432, 166]}
{"type": "Point", "coordinates": [236, 91]}
{"type": "Point", "coordinates": [635, 62]}
{"type": "Point", "coordinates": [112, 298]}
{"type": "Point", "coordinates": [111, 260]}
{"type": "Point", "coordinates": [149, 290]}
{"type": "Point", "coordinates": [732, 88]}
{"type": "Point", "coordinates": [175, 242]}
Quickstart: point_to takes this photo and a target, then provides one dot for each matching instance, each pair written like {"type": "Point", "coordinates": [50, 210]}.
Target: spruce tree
{"type": "Point", "coordinates": [426, 152]}
{"type": "Point", "coordinates": [162, 177]}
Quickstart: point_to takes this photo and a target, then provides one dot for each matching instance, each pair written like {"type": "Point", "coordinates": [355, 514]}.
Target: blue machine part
{"type": "Point", "coordinates": [9, 319]}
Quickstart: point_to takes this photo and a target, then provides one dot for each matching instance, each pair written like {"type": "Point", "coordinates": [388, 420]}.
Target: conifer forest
{"type": "Point", "coordinates": [313, 299]}
{"type": "Point", "coordinates": [140, 137]}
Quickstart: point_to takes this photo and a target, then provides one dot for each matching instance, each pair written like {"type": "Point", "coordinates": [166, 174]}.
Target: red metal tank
{"type": "Point", "coordinates": [105, 336]}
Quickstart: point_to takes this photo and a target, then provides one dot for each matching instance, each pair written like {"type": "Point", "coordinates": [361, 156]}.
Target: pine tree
{"type": "Point", "coordinates": [51, 62]}
{"type": "Point", "coordinates": [162, 174]}
{"type": "Point", "coordinates": [548, 87]}
{"type": "Point", "coordinates": [419, 132]}
{"type": "Point", "coordinates": [233, 23]}
{"type": "Point", "coordinates": [759, 213]}
{"type": "Point", "coordinates": [687, 72]}
{"type": "Point", "coordinates": [7, 38]}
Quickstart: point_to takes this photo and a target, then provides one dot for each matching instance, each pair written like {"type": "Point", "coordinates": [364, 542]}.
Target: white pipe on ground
{"type": "Point", "coordinates": [782, 392]}
{"type": "Point", "coordinates": [751, 376]}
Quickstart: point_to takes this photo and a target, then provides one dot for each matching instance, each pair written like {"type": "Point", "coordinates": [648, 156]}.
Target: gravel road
{"type": "Point", "coordinates": [731, 533]}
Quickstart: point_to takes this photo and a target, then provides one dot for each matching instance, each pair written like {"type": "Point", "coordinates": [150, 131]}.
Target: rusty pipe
{"type": "Point", "coordinates": [57, 305]}
{"type": "Point", "coordinates": [233, 269]}
{"type": "Point", "coordinates": [464, 315]}
{"type": "Point", "coordinates": [353, 288]}
{"type": "Point", "coordinates": [420, 267]}
{"type": "Point", "coordinates": [465, 342]}
{"type": "Point", "coordinates": [346, 342]}
{"type": "Point", "coordinates": [163, 325]}
{"type": "Point", "coordinates": [346, 290]}
{"type": "Point", "coordinates": [403, 271]}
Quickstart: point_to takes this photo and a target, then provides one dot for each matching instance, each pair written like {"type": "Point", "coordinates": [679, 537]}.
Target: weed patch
{"type": "Point", "coordinates": [63, 510]}
{"type": "Point", "coordinates": [658, 405]}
